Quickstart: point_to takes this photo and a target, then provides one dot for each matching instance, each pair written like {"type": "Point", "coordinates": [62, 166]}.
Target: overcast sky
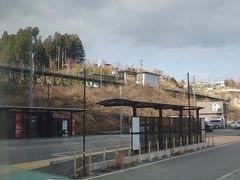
{"type": "Point", "coordinates": [176, 36]}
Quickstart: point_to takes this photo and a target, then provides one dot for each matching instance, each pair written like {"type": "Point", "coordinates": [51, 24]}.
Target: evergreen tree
{"type": "Point", "coordinates": [17, 48]}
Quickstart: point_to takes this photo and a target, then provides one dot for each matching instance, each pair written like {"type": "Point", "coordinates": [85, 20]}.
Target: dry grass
{"type": "Point", "coordinates": [99, 119]}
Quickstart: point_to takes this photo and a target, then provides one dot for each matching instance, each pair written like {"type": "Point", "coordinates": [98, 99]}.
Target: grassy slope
{"type": "Point", "coordinates": [99, 118]}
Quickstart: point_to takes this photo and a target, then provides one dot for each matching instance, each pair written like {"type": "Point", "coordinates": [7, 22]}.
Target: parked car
{"type": "Point", "coordinates": [232, 125]}
{"type": "Point", "coordinates": [217, 124]}
{"type": "Point", "coordinates": [237, 125]}
{"type": "Point", "coordinates": [209, 126]}
{"type": "Point", "coordinates": [229, 123]}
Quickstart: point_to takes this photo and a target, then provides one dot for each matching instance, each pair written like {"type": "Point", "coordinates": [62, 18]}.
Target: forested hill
{"type": "Point", "coordinates": [53, 51]}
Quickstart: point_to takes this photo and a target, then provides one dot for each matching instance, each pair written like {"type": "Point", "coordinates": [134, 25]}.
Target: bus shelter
{"type": "Point", "coordinates": [23, 121]}
{"type": "Point", "coordinates": [147, 130]}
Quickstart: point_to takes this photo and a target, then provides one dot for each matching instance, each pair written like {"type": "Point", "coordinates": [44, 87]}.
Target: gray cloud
{"type": "Point", "coordinates": [153, 23]}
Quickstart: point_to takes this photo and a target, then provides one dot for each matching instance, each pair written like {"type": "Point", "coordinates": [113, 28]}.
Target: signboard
{"type": "Point", "coordinates": [135, 133]}
{"type": "Point", "coordinates": [215, 107]}
{"type": "Point", "coordinates": [18, 126]}
{"type": "Point", "coordinates": [65, 125]}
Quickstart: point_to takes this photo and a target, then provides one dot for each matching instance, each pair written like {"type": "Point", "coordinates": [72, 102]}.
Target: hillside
{"type": "Point", "coordinates": [99, 119]}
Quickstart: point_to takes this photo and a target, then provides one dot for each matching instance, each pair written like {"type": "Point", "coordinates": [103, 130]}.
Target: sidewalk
{"type": "Point", "coordinates": [219, 140]}
{"type": "Point", "coordinates": [36, 175]}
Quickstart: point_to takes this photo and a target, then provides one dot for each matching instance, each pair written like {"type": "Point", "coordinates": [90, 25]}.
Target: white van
{"type": "Point", "coordinates": [217, 123]}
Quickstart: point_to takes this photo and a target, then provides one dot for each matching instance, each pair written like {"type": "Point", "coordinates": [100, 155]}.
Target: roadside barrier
{"type": "Point", "coordinates": [149, 151]}
{"type": "Point", "coordinates": [168, 155]}
{"type": "Point", "coordinates": [129, 154]}
{"type": "Point", "coordinates": [104, 158]}
{"type": "Point", "coordinates": [117, 156]}
{"type": "Point", "coordinates": [198, 141]}
{"type": "Point", "coordinates": [174, 144]}
{"type": "Point", "coordinates": [181, 150]}
{"type": "Point", "coordinates": [74, 164]}
{"type": "Point", "coordinates": [139, 153]}
{"type": "Point", "coordinates": [208, 139]}
{"type": "Point", "coordinates": [158, 150]}
{"type": "Point", "coordinates": [212, 140]}
{"type": "Point", "coordinates": [89, 161]}
{"type": "Point", "coordinates": [193, 140]}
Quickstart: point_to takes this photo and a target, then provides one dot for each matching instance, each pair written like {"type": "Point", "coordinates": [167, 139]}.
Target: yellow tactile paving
{"type": "Point", "coordinates": [32, 165]}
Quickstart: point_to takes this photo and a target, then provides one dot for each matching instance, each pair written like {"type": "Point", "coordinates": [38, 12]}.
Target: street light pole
{"type": "Point", "coordinates": [84, 118]}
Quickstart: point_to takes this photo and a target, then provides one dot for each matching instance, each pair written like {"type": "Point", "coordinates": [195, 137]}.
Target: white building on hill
{"type": "Point", "coordinates": [148, 79]}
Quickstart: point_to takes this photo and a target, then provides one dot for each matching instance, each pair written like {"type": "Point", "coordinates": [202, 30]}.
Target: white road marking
{"type": "Point", "coordinates": [5, 148]}
{"type": "Point", "coordinates": [107, 147]}
{"type": "Point", "coordinates": [50, 145]}
{"type": "Point", "coordinates": [160, 161]}
{"type": "Point", "coordinates": [30, 147]}
{"type": "Point", "coordinates": [229, 174]}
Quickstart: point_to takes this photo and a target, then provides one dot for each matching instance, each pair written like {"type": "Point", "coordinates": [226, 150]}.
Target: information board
{"type": "Point", "coordinates": [135, 133]}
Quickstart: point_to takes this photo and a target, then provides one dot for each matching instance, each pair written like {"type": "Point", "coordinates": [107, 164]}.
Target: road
{"type": "Point", "coordinates": [211, 164]}
{"type": "Point", "coordinates": [227, 132]}
{"type": "Point", "coordinates": [28, 150]}
{"type": "Point", "coordinates": [221, 163]}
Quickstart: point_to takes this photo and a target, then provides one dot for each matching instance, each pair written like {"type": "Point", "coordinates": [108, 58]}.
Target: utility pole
{"type": "Point", "coordinates": [48, 98]}
{"type": "Point", "coordinates": [65, 55]}
{"type": "Point", "coordinates": [189, 108]}
{"type": "Point", "coordinates": [140, 71]}
{"type": "Point", "coordinates": [31, 81]}
{"type": "Point", "coordinates": [121, 128]}
{"type": "Point", "coordinates": [100, 74]}
{"type": "Point", "coordinates": [63, 61]}
{"type": "Point", "coordinates": [84, 119]}
{"type": "Point", "coordinates": [58, 57]}
{"type": "Point", "coordinates": [194, 94]}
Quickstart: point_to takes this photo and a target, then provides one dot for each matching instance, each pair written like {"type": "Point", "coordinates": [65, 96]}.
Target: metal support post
{"type": "Point", "coordinates": [74, 164]}
{"type": "Point", "coordinates": [168, 155]}
{"type": "Point", "coordinates": [104, 158]}
{"type": "Point", "coordinates": [129, 154]}
{"type": "Point", "coordinates": [149, 151]}
{"type": "Point", "coordinates": [158, 150]}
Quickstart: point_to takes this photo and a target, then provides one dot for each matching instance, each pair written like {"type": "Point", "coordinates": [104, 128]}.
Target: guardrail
{"type": "Point", "coordinates": [42, 71]}
{"type": "Point", "coordinates": [117, 157]}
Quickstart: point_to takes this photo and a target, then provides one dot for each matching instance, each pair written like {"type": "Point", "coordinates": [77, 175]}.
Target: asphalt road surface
{"type": "Point", "coordinates": [28, 150]}
{"type": "Point", "coordinates": [227, 132]}
{"type": "Point", "coordinates": [221, 163]}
